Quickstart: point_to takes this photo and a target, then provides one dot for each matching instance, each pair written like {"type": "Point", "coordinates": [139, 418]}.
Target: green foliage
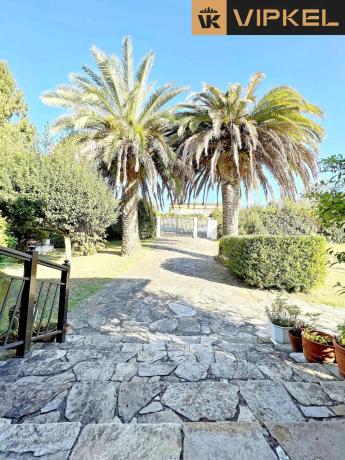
{"type": "Point", "coordinates": [341, 334]}
{"type": "Point", "coordinates": [288, 219]}
{"type": "Point", "coordinates": [75, 199]}
{"type": "Point", "coordinates": [18, 161]}
{"type": "Point", "coordinates": [316, 337]}
{"type": "Point", "coordinates": [281, 313]}
{"type": "Point", "coordinates": [6, 237]}
{"type": "Point", "coordinates": [329, 196]}
{"type": "Point", "coordinates": [292, 263]}
{"type": "Point", "coordinates": [146, 219]}
{"type": "Point", "coordinates": [85, 245]}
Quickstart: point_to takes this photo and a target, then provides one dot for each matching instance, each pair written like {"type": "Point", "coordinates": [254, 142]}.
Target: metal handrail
{"type": "Point", "coordinates": [9, 252]}
{"type": "Point", "coordinates": [26, 301]}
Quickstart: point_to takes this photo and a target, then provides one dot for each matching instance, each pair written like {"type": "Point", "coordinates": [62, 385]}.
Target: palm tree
{"type": "Point", "coordinates": [118, 117]}
{"type": "Point", "coordinates": [230, 139]}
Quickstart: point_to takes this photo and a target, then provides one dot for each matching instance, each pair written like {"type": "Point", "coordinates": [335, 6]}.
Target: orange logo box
{"type": "Point", "coordinates": [209, 17]}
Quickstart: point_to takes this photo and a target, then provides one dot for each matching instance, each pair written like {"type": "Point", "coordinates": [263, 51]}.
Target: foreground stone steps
{"type": "Point", "coordinates": [32, 400]}
{"type": "Point", "coordinates": [187, 441]}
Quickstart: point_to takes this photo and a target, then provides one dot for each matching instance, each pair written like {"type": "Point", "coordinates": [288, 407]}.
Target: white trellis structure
{"type": "Point", "coordinates": [197, 227]}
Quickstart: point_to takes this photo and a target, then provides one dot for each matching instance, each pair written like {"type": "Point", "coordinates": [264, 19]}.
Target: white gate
{"type": "Point", "coordinates": [194, 226]}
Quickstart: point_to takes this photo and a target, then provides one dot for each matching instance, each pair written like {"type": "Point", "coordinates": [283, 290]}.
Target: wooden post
{"type": "Point", "coordinates": [27, 303]}
{"type": "Point", "coordinates": [63, 302]}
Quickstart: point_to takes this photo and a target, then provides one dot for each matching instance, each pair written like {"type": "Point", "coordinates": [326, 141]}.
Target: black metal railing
{"type": "Point", "coordinates": [32, 310]}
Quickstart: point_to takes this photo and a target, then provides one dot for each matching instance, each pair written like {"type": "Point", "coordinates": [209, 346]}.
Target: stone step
{"type": "Point", "coordinates": [187, 441]}
{"type": "Point", "coordinates": [60, 397]}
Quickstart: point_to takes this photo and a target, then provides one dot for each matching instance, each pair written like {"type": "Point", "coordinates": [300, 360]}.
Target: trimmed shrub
{"type": "Point", "coordinates": [292, 263]}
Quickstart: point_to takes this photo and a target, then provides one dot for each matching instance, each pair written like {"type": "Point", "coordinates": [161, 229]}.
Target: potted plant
{"type": "Point", "coordinates": [282, 317]}
{"type": "Point", "coordinates": [42, 329]}
{"type": "Point", "coordinates": [295, 333]}
{"type": "Point", "coordinates": [318, 346]}
{"type": "Point", "coordinates": [339, 346]}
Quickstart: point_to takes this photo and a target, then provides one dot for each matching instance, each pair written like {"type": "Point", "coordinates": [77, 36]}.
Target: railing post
{"type": "Point", "coordinates": [195, 227]}
{"type": "Point", "coordinates": [158, 230]}
{"type": "Point", "coordinates": [27, 303]}
{"type": "Point", "coordinates": [63, 302]}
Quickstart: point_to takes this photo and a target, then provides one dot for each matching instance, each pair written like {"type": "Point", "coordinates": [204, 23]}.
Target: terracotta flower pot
{"type": "Point", "coordinates": [340, 355]}
{"type": "Point", "coordinates": [296, 342]}
{"type": "Point", "coordinates": [317, 352]}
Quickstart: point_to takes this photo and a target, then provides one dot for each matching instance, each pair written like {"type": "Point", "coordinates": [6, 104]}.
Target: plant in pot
{"type": "Point", "coordinates": [44, 328]}
{"type": "Point", "coordinates": [339, 346]}
{"type": "Point", "coordinates": [295, 333]}
{"type": "Point", "coordinates": [318, 346]}
{"type": "Point", "coordinates": [282, 317]}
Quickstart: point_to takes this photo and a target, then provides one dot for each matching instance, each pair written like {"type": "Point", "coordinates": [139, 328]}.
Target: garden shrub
{"type": "Point", "coordinates": [6, 238]}
{"type": "Point", "coordinates": [288, 218]}
{"type": "Point", "coordinates": [292, 263]}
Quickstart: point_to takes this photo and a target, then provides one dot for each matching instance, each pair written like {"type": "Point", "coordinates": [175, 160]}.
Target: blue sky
{"type": "Point", "coordinates": [44, 40]}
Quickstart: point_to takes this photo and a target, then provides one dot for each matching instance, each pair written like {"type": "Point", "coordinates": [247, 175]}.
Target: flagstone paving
{"type": "Point", "coordinates": [168, 364]}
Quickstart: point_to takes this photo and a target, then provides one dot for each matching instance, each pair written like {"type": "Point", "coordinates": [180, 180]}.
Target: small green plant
{"type": "Point", "coordinates": [307, 323]}
{"type": "Point", "coordinates": [283, 314]}
{"type": "Point", "coordinates": [316, 337]}
{"type": "Point", "coordinates": [341, 334]}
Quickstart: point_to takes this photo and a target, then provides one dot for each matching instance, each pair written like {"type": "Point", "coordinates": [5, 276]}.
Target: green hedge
{"type": "Point", "coordinates": [292, 263]}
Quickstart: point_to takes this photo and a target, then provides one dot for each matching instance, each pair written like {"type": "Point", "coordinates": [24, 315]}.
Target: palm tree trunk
{"type": "Point", "coordinates": [231, 197]}
{"type": "Point", "coordinates": [130, 228]}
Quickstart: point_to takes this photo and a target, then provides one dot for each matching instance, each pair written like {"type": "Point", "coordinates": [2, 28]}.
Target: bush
{"type": "Point", "coordinates": [85, 245]}
{"type": "Point", "coordinates": [6, 238]}
{"type": "Point", "coordinates": [287, 219]}
{"type": "Point", "coordinates": [292, 263]}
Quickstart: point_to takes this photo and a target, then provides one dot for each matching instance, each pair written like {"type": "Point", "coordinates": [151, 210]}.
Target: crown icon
{"type": "Point", "coordinates": [208, 10]}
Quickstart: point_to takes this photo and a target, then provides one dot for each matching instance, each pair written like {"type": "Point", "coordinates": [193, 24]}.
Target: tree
{"type": "Point", "coordinates": [121, 120]}
{"type": "Point", "coordinates": [18, 162]}
{"type": "Point", "coordinates": [230, 139]}
{"type": "Point", "coordinates": [13, 110]}
{"type": "Point", "coordinates": [75, 199]}
{"type": "Point", "coordinates": [329, 196]}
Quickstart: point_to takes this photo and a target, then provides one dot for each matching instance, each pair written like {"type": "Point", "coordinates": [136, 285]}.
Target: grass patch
{"type": "Point", "coordinates": [89, 274]}
{"type": "Point", "coordinates": [327, 293]}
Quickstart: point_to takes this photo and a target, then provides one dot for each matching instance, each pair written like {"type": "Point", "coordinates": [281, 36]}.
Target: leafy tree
{"type": "Point", "coordinates": [18, 162]}
{"type": "Point", "coordinates": [329, 196]}
{"type": "Point", "coordinates": [75, 199]}
{"type": "Point", "coordinates": [330, 193]}
{"type": "Point", "coordinates": [229, 138]}
{"type": "Point", "coordinates": [13, 110]}
{"type": "Point", "coordinates": [121, 120]}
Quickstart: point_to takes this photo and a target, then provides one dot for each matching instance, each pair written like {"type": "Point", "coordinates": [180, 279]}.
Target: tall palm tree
{"type": "Point", "coordinates": [231, 139]}
{"type": "Point", "coordinates": [119, 118]}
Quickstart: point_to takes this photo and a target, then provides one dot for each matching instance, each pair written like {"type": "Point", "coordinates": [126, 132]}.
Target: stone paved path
{"type": "Point", "coordinates": [173, 361]}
